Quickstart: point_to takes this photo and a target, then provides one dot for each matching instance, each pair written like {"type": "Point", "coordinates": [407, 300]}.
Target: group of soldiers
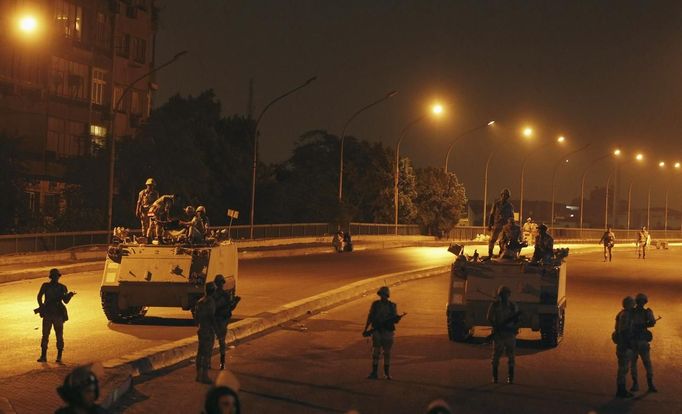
{"type": "Point", "coordinates": [608, 240]}
{"type": "Point", "coordinates": [154, 213]}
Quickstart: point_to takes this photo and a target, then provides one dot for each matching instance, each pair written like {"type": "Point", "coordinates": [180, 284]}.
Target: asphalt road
{"type": "Point", "coordinates": [263, 284]}
{"type": "Point", "coordinates": [318, 365]}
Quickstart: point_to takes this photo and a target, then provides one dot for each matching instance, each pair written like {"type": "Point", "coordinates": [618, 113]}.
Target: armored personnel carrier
{"type": "Point", "coordinates": [137, 276]}
{"type": "Point", "coordinates": [539, 290]}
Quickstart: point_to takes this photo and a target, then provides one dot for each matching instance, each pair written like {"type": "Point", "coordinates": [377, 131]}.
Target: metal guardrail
{"type": "Point", "coordinates": [570, 234]}
{"type": "Point", "coordinates": [42, 242]}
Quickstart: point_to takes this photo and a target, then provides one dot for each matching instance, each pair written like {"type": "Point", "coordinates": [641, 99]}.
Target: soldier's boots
{"type": "Point", "coordinates": [59, 356]}
{"type": "Point", "coordinates": [222, 362]}
{"type": "Point", "coordinates": [635, 385]}
{"type": "Point", "coordinates": [202, 376]}
{"type": "Point", "coordinates": [43, 355]}
{"type": "Point", "coordinates": [387, 374]}
{"type": "Point", "coordinates": [622, 392]}
{"type": "Point", "coordinates": [650, 382]}
{"type": "Point", "coordinates": [510, 376]}
{"type": "Point", "coordinates": [373, 374]}
{"type": "Point", "coordinates": [495, 374]}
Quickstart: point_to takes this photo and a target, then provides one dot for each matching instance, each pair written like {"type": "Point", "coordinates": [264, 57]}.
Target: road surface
{"type": "Point", "coordinates": [318, 365]}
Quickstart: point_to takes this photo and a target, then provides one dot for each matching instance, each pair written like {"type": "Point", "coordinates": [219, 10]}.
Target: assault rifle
{"type": "Point", "coordinates": [394, 319]}
{"type": "Point", "coordinates": [512, 318]}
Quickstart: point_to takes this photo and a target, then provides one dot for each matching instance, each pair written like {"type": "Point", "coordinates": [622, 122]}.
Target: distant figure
{"type": "Point", "coordinates": [608, 240]}
{"type": "Point", "coordinates": [337, 241]}
{"type": "Point", "coordinates": [511, 242]}
{"type": "Point", "coordinates": [225, 303]}
{"type": "Point", "coordinates": [528, 230]}
{"type": "Point", "coordinates": [383, 315]}
{"type": "Point", "coordinates": [203, 225]}
{"type": "Point", "coordinates": [145, 199]}
{"type": "Point", "coordinates": [643, 240]}
{"type": "Point", "coordinates": [623, 337]}
{"type": "Point", "coordinates": [503, 316]}
{"type": "Point", "coordinates": [222, 400]}
{"type": "Point", "coordinates": [642, 319]}
{"type": "Point", "coordinates": [80, 392]}
{"type": "Point", "coordinates": [53, 311]}
{"type": "Point", "coordinates": [204, 313]}
{"type": "Point", "coordinates": [347, 242]}
{"type": "Point", "coordinates": [544, 245]}
{"type": "Point", "coordinates": [502, 211]}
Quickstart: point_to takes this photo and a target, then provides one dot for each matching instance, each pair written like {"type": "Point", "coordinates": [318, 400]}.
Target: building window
{"type": "Point", "coordinates": [103, 31]}
{"type": "Point", "coordinates": [63, 142]}
{"type": "Point", "coordinates": [75, 140]}
{"type": "Point", "coordinates": [139, 47]}
{"type": "Point", "coordinates": [69, 19]}
{"type": "Point", "coordinates": [124, 105]}
{"type": "Point", "coordinates": [98, 86]}
{"type": "Point", "coordinates": [136, 103]}
{"type": "Point", "coordinates": [123, 45]}
{"type": "Point", "coordinates": [32, 201]}
{"type": "Point", "coordinates": [68, 79]}
{"type": "Point", "coordinates": [98, 135]}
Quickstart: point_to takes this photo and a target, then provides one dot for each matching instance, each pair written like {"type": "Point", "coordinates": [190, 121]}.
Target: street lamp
{"type": "Point", "coordinates": [582, 185]}
{"type": "Point", "coordinates": [639, 159]}
{"type": "Point", "coordinates": [254, 137]}
{"type": "Point", "coordinates": [28, 24]}
{"type": "Point", "coordinates": [436, 110]}
{"type": "Point", "coordinates": [564, 159]}
{"type": "Point", "coordinates": [343, 134]}
{"type": "Point", "coordinates": [112, 124]}
{"type": "Point", "coordinates": [454, 141]}
{"type": "Point", "coordinates": [559, 140]}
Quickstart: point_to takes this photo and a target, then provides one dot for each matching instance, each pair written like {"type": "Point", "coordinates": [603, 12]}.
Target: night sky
{"type": "Point", "coordinates": [599, 72]}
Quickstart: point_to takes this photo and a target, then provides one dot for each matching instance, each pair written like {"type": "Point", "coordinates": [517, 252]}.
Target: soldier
{"type": "Point", "coordinates": [642, 318]}
{"type": "Point", "coordinates": [528, 230]}
{"type": "Point", "coordinates": [383, 315]}
{"type": "Point", "coordinates": [643, 240]}
{"type": "Point", "coordinates": [204, 314]}
{"type": "Point", "coordinates": [503, 316]}
{"type": "Point", "coordinates": [159, 214]}
{"type": "Point", "coordinates": [608, 239]}
{"type": "Point", "coordinates": [511, 240]}
{"type": "Point", "coordinates": [502, 211]}
{"type": "Point", "coordinates": [145, 199]}
{"type": "Point", "coordinates": [53, 312]}
{"type": "Point", "coordinates": [193, 233]}
{"type": "Point", "coordinates": [544, 245]}
{"type": "Point", "coordinates": [622, 336]}
{"type": "Point", "coordinates": [225, 303]}
{"type": "Point", "coordinates": [203, 224]}
{"type": "Point", "coordinates": [80, 392]}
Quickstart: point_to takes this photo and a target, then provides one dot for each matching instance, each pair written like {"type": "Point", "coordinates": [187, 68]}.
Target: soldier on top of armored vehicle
{"type": "Point", "coordinates": [544, 246]}
{"type": "Point", "coordinates": [144, 201]}
{"type": "Point", "coordinates": [511, 240]}
{"type": "Point", "coordinates": [502, 211]}
{"type": "Point", "coordinates": [159, 214]}
{"type": "Point", "coordinates": [202, 221]}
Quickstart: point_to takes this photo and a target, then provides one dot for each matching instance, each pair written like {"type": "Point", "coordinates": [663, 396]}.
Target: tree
{"type": "Point", "coordinates": [10, 184]}
{"type": "Point", "coordinates": [407, 192]}
{"type": "Point", "coordinates": [440, 200]}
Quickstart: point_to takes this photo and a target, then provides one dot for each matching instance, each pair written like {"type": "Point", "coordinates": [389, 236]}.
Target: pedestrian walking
{"type": "Point", "coordinates": [503, 315]}
{"type": "Point", "coordinates": [225, 303]}
{"type": "Point", "coordinates": [383, 315]}
{"type": "Point", "coordinates": [204, 314]}
{"type": "Point", "coordinates": [80, 392]}
{"type": "Point", "coordinates": [608, 240]}
{"type": "Point", "coordinates": [643, 240]}
{"type": "Point", "coordinates": [623, 338]}
{"type": "Point", "coordinates": [642, 319]}
{"type": "Point", "coordinates": [52, 298]}
{"type": "Point", "coordinates": [502, 211]}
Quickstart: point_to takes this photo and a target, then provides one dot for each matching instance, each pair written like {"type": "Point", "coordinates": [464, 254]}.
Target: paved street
{"type": "Point", "coordinates": [319, 366]}
{"type": "Point", "coordinates": [264, 284]}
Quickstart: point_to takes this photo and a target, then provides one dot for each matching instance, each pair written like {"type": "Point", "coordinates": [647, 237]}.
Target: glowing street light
{"type": "Point", "coordinates": [491, 123]}
{"type": "Point", "coordinates": [28, 24]}
{"type": "Point", "coordinates": [561, 139]}
{"type": "Point", "coordinates": [527, 132]}
{"type": "Point", "coordinates": [616, 152]}
{"type": "Point", "coordinates": [456, 139]}
{"type": "Point", "coordinates": [661, 164]}
{"type": "Point", "coordinates": [639, 157]}
{"type": "Point", "coordinates": [437, 109]}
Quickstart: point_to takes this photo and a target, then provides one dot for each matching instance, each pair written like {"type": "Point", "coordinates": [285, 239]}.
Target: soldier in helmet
{"type": "Point", "coordinates": [544, 245]}
{"type": "Point", "coordinates": [225, 303]}
{"type": "Point", "coordinates": [503, 316]}
{"type": "Point", "coordinates": [145, 199]}
{"type": "Point", "coordinates": [623, 337]}
{"type": "Point", "coordinates": [202, 222]}
{"type": "Point", "coordinates": [159, 214]}
{"type": "Point", "coordinates": [80, 392]}
{"type": "Point", "coordinates": [642, 318]}
{"type": "Point", "coordinates": [608, 240]}
{"type": "Point", "coordinates": [643, 239]}
{"type": "Point", "coordinates": [383, 315]}
{"type": "Point", "coordinates": [53, 312]}
{"type": "Point", "coordinates": [204, 314]}
{"type": "Point", "coordinates": [502, 211]}
{"type": "Point", "coordinates": [511, 240]}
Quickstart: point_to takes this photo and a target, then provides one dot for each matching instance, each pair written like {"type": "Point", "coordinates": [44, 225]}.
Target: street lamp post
{"type": "Point", "coordinates": [112, 135]}
{"type": "Point", "coordinates": [485, 188]}
{"type": "Point", "coordinates": [255, 146]}
{"type": "Point", "coordinates": [343, 135]}
{"type": "Point", "coordinates": [606, 202]}
{"type": "Point", "coordinates": [560, 140]}
{"type": "Point", "coordinates": [396, 172]}
{"type": "Point", "coordinates": [582, 188]}
{"type": "Point", "coordinates": [563, 159]}
{"type": "Point", "coordinates": [454, 141]}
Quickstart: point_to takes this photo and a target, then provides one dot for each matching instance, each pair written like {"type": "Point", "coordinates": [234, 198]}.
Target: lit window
{"type": "Point", "coordinates": [98, 86]}
{"type": "Point", "coordinates": [69, 19]}
{"type": "Point", "coordinates": [98, 131]}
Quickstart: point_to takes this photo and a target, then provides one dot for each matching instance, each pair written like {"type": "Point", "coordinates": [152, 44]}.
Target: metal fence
{"type": "Point", "coordinates": [574, 234]}
{"type": "Point", "coordinates": [41, 242]}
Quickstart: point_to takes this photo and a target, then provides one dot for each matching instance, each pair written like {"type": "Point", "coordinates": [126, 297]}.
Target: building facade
{"type": "Point", "coordinates": [64, 64]}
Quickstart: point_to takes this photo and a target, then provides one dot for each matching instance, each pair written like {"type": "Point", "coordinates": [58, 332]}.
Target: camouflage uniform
{"type": "Point", "coordinates": [642, 243]}
{"type": "Point", "coordinates": [624, 344]}
{"type": "Point", "coordinates": [642, 318]}
{"type": "Point", "coordinates": [511, 240]}
{"type": "Point", "coordinates": [53, 312]}
{"type": "Point", "coordinates": [608, 239]}
{"type": "Point", "coordinates": [225, 303]}
{"type": "Point", "coordinates": [145, 199]}
{"type": "Point", "coordinates": [383, 315]}
{"type": "Point", "coordinates": [502, 211]}
{"type": "Point", "coordinates": [544, 247]}
{"type": "Point", "coordinates": [158, 214]}
{"type": "Point", "coordinates": [504, 336]}
{"type": "Point", "coordinates": [204, 313]}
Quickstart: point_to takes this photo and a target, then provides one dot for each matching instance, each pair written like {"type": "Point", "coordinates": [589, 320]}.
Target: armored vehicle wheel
{"type": "Point", "coordinates": [552, 329]}
{"type": "Point", "coordinates": [458, 330]}
{"type": "Point", "coordinates": [115, 314]}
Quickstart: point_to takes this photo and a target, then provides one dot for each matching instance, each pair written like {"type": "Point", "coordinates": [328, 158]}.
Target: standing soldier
{"type": "Point", "coordinates": [642, 318]}
{"type": "Point", "coordinates": [511, 240]}
{"type": "Point", "coordinates": [528, 230]}
{"type": "Point", "coordinates": [544, 245]}
{"type": "Point", "coordinates": [503, 316]}
{"type": "Point", "coordinates": [145, 199]}
{"type": "Point", "coordinates": [159, 214]}
{"type": "Point", "coordinates": [225, 303]}
{"type": "Point", "coordinates": [383, 315]}
{"type": "Point", "coordinates": [53, 311]}
{"type": "Point", "coordinates": [204, 314]}
{"type": "Point", "coordinates": [623, 337]}
{"type": "Point", "coordinates": [502, 211]}
{"type": "Point", "coordinates": [643, 240]}
{"type": "Point", "coordinates": [203, 224]}
{"type": "Point", "coordinates": [608, 239]}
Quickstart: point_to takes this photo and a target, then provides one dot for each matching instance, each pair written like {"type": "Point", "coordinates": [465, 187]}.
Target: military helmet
{"type": "Point", "coordinates": [641, 299]}
{"type": "Point", "coordinates": [506, 192]}
{"type": "Point", "coordinates": [542, 227]}
{"type": "Point", "coordinates": [384, 291]}
{"type": "Point", "coordinates": [201, 209]}
{"type": "Point", "coordinates": [209, 288]}
{"type": "Point", "coordinates": [503, 290]}
{"type": "Point", "coordinates": [55, 273]}
{"type": "Point", "coordinates": [76, 382]}
{"type": "Point", "coordinates": [219, 280]}
{"type": "Point", "coordinates": [628, 302]}
{"type": "Point", "coordinates": [189, 210]}
{"type": "Point", "coordinates": [150, 181]}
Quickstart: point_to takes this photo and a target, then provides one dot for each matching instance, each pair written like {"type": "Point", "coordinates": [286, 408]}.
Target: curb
{"type": "Point", "coordinates": [41, 272]}
{"type": "Point", "coordinates": [119, 372]}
